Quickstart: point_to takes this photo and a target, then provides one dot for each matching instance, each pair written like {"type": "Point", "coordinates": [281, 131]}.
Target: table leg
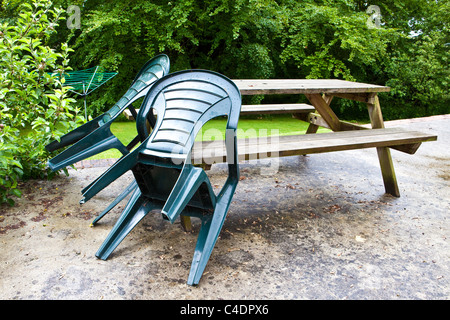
{"type": "Point", "coordinates": [186, 223]}
{"type": "Point", "coordinates": [384, 154]}
{"type": "Point", "coordinates": [323, 108]}
{"type": "Point", "coordinates": [312, 128]}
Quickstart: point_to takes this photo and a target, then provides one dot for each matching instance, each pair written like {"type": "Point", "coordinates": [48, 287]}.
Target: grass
{"type": "Point", "coordinates": [249, 127]}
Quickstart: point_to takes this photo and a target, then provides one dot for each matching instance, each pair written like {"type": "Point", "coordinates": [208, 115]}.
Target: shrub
{"type": "Point", "coordinates": [34, 104]}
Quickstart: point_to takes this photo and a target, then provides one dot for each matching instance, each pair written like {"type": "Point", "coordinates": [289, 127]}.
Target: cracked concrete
{"type": "Point", "coordinates": [321, 227]}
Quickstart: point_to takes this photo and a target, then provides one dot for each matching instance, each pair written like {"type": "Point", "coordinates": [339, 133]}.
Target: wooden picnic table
{"type": "Point", "coordinates": [320, 93]}
{"type": "Point", "coordinates": [343, 136]}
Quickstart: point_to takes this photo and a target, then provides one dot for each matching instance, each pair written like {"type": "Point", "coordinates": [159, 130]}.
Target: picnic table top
{"type": "Point", "coordinates": [305, 86]}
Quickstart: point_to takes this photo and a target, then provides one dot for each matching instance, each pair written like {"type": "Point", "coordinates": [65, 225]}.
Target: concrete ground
{"type": "Point", "coordinates": [319, 227]}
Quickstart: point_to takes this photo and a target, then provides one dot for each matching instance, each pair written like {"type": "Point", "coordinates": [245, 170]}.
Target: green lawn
{"type": "Point", "coordinates": [248, 127]}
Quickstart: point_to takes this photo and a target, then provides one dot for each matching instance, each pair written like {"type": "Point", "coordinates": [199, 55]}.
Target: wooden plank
{"type": "Point", "coordinates": [304, 86]}
{"type": "Point", "coordinates": [312, 128]}
{"type": "Point", "coordinates": [316, 120]}
{"type": "Point", "coordinates": [128, 115]}
{"type": "Point", "coordinates": [257, 148]}
{"type": "Point", "coordinates": [343, 138]}
{"type": "Point", "coordinates": [387, 171]}
{"type": "Point", "coordinates": [361, 97]}
{"type": "Point", "coordinates": [325, 111]}
{"type": "Point", "coordinates": [276, 108]}
{"type": "Point", "coordinates": [375, 115]}
{"type": "Point", "coordinates": [327, 98]}
{"type": "Point", "coordinates": [407, 148]}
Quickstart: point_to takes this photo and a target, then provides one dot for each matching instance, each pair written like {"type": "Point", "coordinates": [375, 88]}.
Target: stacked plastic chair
{"type": "Point", "coordinates": [162, 164]}
{"type": "Point", "coordinates": [95, 136]}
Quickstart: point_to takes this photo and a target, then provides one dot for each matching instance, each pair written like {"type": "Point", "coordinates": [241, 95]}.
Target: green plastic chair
{"type": "Point", "coordinates": [162, 165]}
{"type": "Point", "coordinates": [95, 136]}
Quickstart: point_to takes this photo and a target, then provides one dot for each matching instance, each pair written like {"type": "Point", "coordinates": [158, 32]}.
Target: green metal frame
{"type": "Point", "coordinates": [162, 164]}
{"type": "Point", "coordinates": [84, 82]}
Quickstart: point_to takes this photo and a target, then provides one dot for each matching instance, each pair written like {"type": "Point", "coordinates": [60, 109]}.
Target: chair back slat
{"type": "Point", "coordinates": [153, 70]}
{"type": "Point", "coordinates": [184, 102]}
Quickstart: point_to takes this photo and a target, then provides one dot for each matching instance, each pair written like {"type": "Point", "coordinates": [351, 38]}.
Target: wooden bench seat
{"type": "Point", "coordinates": [294, 108]}
{"type": "Point", "coordinates": [259, 148]}
{"type": "Point", "coordinates": [276, 108]}
{"type": "Point", "coordinates": [346, 136]}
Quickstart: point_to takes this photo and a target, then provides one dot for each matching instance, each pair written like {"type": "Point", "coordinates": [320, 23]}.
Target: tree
{"type": "Point", "coordinates": [418, 69]}
{"type": "Point", "coordinates": [34, 107]}
{"type": "Point", "coordinates": [271, 39]}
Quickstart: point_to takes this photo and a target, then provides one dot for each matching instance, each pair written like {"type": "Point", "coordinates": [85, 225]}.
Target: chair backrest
{"type": "Point", "coordinates": [184, 101]}
{"type": "Point", "coordinates": [154, 69]}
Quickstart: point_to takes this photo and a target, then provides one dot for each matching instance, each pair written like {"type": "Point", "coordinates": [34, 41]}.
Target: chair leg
{"type": "Point", "coordinates": [198, 262]}
{"type": "Point", "coordinates": [114, 172]}
{"type": "Point", "coordinates": [122, 196]}
{"type": "Point", "coordinates": [74, 135]}
{"type": "Point", "coordinates": [209, 232]}
{"type": "Point", "coordinates": [186, 186]}
{"type": "Point", "coordinates": [137, 208]}
{"type": "Point", "coordinates": [73, 155]}
{"type": "Point", "coordinates": [95, 180]}
{"type": "Point", "coordinates": [96, 142]}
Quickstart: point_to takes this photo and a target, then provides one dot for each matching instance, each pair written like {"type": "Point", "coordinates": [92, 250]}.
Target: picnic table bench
{"type": "Point", "coordinates": [343, 136]}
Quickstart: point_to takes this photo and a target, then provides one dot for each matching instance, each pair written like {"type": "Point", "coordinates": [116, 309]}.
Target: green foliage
{"type": "Point", "coordinates": [418, 73]}
{"type": "Point", "coordinates": [10, 169]}
{"type": "Point", "coordinates": [221, 35]}
{"type": "Point", "coordinates": [421, 77]}
{"type": "Point", "coordinates": [273, 39]}
{"type": "Point", "coordinates": [34, 106]}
